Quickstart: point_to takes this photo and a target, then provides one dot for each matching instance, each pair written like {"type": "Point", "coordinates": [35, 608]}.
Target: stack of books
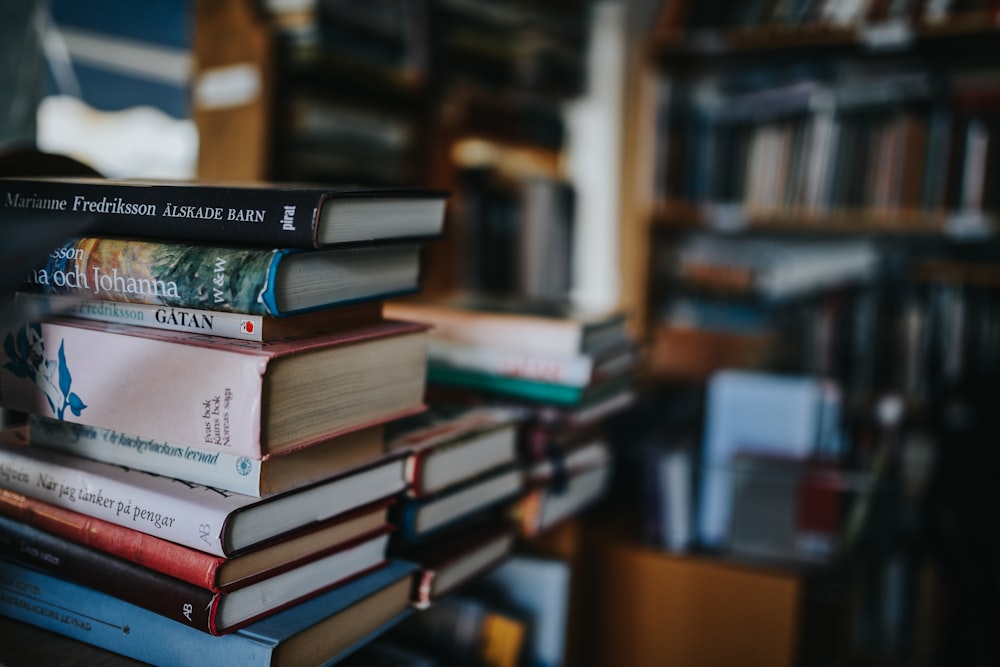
{"type": "Point", "coordinates": [203, 478]}
{"type": "Point", "coordinates": [464, 476]}
{"type": "Point", "coordinates": [566, 372]}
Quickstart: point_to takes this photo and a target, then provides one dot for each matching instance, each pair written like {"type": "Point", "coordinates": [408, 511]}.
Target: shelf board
{"type": "Point", "coordinates": [890, 35]}
{"type": "Point", "coordinates": [683, 216]}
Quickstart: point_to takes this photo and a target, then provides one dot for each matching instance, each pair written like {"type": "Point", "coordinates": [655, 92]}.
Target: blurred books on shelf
{"type": "Point", "coordinates": [773, 269]}
{"type": "Point", "coordinates": [756, 413]}
{"type": "Point", "coordinates": [570, 478]}
{"type": "Point", "coordinates": [466, 630]}
{"type": "Point", "coordinates": [540, 588]}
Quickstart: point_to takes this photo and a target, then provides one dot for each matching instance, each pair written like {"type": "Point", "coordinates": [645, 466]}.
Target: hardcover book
{"type": "Point", "coordinates": [237, 279]}
{"type": "Point", "coordinates": [447, 446]}
{"type": "Point", "coordinates": [194, 566]}
{"type": "Point", "coordinates": [425, 518]}
{"type": "Point", "coordinates": [319, 631]}
{"type": "Point", "coordinates": [200, 517]}
{"type": "Point", "coordinates": [518, 387]}
{"type": "Point", "coordinates": [228, 472]}
{"type": "Point", "coordinates": [248, 399]}
{"type": "Point", "coordinates": [545, 507]}
{"type": "Point", "coordinates": [572, 371]}
{"type": "Point", "coordinates": [450, 561]}
{"type": "Point", "coordinates": [243, 326]}
{"type": "Point", "coordinates": [540, 328]}
{"type": "Point", "coordinates": [214, 612]}
{"type": "Point", "coordinates": [266, 214]}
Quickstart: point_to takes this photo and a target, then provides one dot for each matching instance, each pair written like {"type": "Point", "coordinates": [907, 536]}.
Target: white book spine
{"type": "Point", "coordinates": [188, 514]}
{"type": "Point", "coordinates": [191, 320]}
{"type": "Point", "coordinates": [221, 470]}
{"type": "Point", "coordinates": [572, 371]}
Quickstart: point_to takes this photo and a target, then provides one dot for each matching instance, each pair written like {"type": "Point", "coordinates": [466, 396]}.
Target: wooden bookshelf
{"type": "Point", "coordinates": [944, 252]}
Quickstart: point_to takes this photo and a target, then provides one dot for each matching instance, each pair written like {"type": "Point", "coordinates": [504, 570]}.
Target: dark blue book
{"type": "Point", "coordinates": [319, 631]}
{"type": "Point", "coordinates": [422, 518]}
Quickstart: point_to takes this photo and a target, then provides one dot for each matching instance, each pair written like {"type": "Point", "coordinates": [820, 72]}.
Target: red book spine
{"type": "Point", "coordinates": [186, 564]}
{"type": "Point", "coordinates": [70, 560]}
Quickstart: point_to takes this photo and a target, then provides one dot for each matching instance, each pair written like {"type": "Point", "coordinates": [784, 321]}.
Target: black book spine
{"type": "Point", "coordinates": [283, 218]}
{"type": "Point", "coordinates": [164, 595]}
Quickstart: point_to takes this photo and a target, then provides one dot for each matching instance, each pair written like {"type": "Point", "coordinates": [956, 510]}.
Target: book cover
{"type": "Point", "coordinates": [451, 444]}
{"type": "Point", "coordinates": [200, 517]}
{"type": "Point", "coordinates": [237, 279]}
{"type": "Point", "coordinates": [318, 631]}
{"type": "Point", "coordinates": [249, 399]}
{"type": "Point", "coordinates": [258, 214]}
{"type": "Point", "coordinates": [214, 612]}
{"type": "Point", "coordinates": [228, 472]}
{"type": "Point", "coordinates": [241, 326]}
{"type": "Point", "coordinates": [194, 566]}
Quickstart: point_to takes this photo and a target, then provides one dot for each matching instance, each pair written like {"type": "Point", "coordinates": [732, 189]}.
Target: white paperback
{"type": "Point", "coordinates": [200, 517]}
{"type": "Point", "coordinates": [574, 371]}
{"type": "Point", "coordinates": [218, 469]}
{"type": "Point", "coordinates": [190, 320]}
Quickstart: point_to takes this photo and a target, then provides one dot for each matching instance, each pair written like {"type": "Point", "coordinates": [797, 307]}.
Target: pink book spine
{"type": "Point", "coordinates": [160, 388]}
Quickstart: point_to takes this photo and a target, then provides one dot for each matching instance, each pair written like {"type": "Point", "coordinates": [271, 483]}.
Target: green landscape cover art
{"type": "Point", "coordinates": [168, 274]}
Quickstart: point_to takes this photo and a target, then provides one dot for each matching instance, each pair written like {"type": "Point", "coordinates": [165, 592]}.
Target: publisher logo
{"type": "Point", "coordinates": [246, 327]}
{"type": "Point", "coordinates": [244, 466]}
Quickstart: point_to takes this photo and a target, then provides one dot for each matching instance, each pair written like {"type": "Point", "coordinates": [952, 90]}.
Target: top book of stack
{"type": "Point", "coordinates": [277, 215]}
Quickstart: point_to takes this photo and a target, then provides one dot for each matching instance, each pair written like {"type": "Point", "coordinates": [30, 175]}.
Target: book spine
{"type": "Point", "coordinates": [162, 388]}
{"type": "Point", "coordinates": [240, 326]}
{"type": "Point", "coordinates": [238, 280]}
{"type": "Point", "coordinates": [277, 218]}
{"type": "Point", "coordinates": [190, 565]}
{"type": "Point", "coordinates": [573, 371]}
{"type": "Point", "coordinates": [229, 472]}
{"type": "Point", "coordinates": [108, 622]}
{"type": "Point", "coordinates": [129, 498]}
{"type": "Point", "coordinates": [123, 579]}
{"type": "Point", "coordinates": [510, 386]}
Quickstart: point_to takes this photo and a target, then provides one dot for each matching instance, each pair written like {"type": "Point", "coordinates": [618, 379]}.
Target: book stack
{"type": "Point", "coordinates": [463, 477]}
{"type": "Point", "coordinates": [566, 371]}
{"type": "Point", "coordinates": [202, 477]}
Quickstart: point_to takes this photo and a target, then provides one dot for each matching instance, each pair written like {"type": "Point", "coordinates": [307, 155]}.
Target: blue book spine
{"type": "Point", "coordinates": [107, 622]}
{"type": "Point", "coordinates": [101, 620]}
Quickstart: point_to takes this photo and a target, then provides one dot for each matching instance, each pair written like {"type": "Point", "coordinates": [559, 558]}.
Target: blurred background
{"type": "Point", "coordinates": [792, 201]}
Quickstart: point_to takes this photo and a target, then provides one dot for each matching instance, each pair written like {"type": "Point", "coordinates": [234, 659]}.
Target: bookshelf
{"type": "Point", "coordinates": [715, 141]}
{"type": "Point", "coordinates": [466, 97]}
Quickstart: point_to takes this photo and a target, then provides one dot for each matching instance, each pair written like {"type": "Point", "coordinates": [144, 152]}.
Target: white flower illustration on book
{"type": "Point", "coordinates": [26, 358]}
